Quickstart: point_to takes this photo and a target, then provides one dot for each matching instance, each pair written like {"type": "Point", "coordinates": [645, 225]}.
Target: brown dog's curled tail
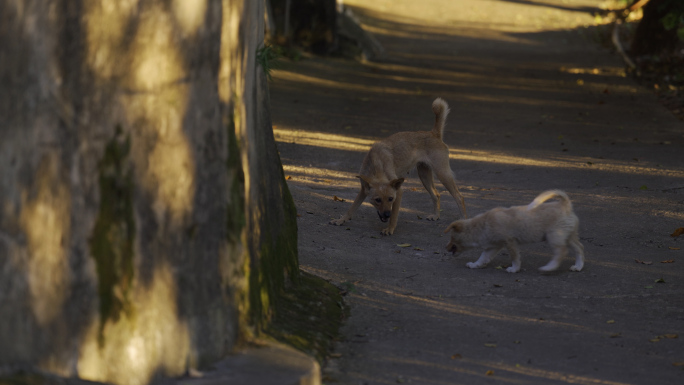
{"type": "Point", "coordinates": [441, 110]}
{"type": "Point", "coordinates": [546, 195]}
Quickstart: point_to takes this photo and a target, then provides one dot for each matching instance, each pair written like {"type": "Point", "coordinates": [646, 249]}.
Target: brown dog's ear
{"type": "Point", "coordinates": [456, 226]}
{"type": "Point", "coordinates": [396, 183]}
{"type": "Point", "coordinates": [365, 184]}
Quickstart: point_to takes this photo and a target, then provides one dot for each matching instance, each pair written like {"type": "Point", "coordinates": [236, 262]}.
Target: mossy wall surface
{"type": "Point", "coordinates": [145, 224]}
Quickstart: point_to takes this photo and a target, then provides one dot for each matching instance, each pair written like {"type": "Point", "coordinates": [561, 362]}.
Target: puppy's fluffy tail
{"type": "Point", "coordinates": [441, 110]}
{"type": "Point", "coordinates": [550, 194]}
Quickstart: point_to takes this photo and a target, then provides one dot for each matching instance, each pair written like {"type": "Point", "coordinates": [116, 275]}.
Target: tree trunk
{"type": "Point", "coordinates": [651, 37]}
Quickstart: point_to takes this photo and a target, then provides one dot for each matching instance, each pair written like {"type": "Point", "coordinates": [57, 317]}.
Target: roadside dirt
{"type": "Point", "coordinates": [535, 104]}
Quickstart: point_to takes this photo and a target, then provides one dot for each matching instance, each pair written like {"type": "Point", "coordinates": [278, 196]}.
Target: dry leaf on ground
{"type": "Point", "coordinates": [678, 232]}
{"type": "Point", "coordinates": [668, 261]}
{"type": "Point", "coordinates": [404, 244]}
{"type": "Point", "coordinates": [489, 373]}
{"type": "Point", "coordinates": [337, 199]}
{"type": "Point", "coordinates": [674, 248]}
{"type": "Point", "coordinates": [643, 262]}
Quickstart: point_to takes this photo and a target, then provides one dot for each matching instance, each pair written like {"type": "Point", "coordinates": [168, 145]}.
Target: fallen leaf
{"type": "Point", "coordinates": [499, 267]}
{"type": "Point", "coordinates": [643, 187]}
{"type": "Point", "coordinates": [648, 287]}
{"type": "Point", "coordinates": [659, 280]}
{"type": "Point", "coordinates": [375, 237]}
{"type": "Point", "coordinates": [489, 373]}
{"type": "Point", "coordinates": [456, 356]}
{"type": "Point", "coordinates": [590, 163]}
{"type": "Point", "coordinates": [497, 285]}
{"type": "Point", "coordinates": [337, 199]}
{"type": "Point", "coordinates": [516, 342]}
{"type": "Point", "coordinates": [668, 261]}
{"type": "Point", "coordinates": [403, 244]}
{"type": "Point", "coordinates": [674, 248]}
{"type": "Point", "coordinates": [678, 232]}
{"type": "Point", "coordinates": [671, 336]}
{"type": "Point", "coordinates": [681, 363]}
{"type": "Point", "coordinates": [335, 355]}
{"type": "Point", "coordinates": [616, 335]}
{"type": "Point", "coordinates": [655, 339]}
{"type": "Point", "coordinates": [490, 345]}
{"type": "Point", "coordinates": [610, 321]}
{"type": "Point", "coordinates": [289, 177]}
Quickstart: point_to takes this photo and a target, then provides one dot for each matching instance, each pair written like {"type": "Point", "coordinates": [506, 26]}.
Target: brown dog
{"type": "Point", "coordinates": [553, 222]}
{"type": "Point", "coordinates": [397, 155]}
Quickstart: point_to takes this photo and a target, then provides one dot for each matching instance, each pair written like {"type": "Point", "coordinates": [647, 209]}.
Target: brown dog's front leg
{"type": "Point", "coordinates": [395, 214]}
{"type": "Point", "coordinates": [348, 216]}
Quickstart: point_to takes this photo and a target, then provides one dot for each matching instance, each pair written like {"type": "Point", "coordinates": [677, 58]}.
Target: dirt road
{"type": "Point", "coordinates": [536, 104]}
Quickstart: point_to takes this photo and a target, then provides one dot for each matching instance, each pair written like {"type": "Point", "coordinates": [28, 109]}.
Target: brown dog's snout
{"type": "Point", "coordinates": [452, 247]}
{"type": "Point", "coordinates": [385, 216]}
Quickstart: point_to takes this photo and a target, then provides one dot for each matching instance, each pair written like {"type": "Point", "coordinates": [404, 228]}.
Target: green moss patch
{"type": "Point", "coordinates": [113, 237]}
{"type": "Point", "coordinates": [308, 316]}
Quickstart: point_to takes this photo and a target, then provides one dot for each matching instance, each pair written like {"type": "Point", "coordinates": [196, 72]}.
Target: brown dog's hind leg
{"type": "Point", "coordinates": [425, 174]}
{"type": "Point", "coordinates": [447, 179]}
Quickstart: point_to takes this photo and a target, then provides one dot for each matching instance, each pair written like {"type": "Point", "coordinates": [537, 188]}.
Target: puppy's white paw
{"type": "Point", "coordinates": [576, 267]}
{"type": "Point", "coordinates": [432, 217]}
{"type": "Point", "coordinates": [549, 267]}
{"type": "Point", "coordinates": [387, 231]}
{"type": "Point", "coordinates": [513, 269]}
{"type": "Point", "coordinates": [474, 265]}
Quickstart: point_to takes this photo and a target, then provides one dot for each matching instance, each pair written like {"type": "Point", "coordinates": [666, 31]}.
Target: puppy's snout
{"type": "Point", "coordinates": [384, 216]}
{"type": "Point", "coordinates": [452, 248]}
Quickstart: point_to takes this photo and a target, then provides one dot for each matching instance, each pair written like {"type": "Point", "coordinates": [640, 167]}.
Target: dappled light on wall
{"type": "Point", "coordinates": [131, 349]}
{"type": "Point", "coordinates": [190, 14]}
{"type": "Point", "coordinates": [46, 222]}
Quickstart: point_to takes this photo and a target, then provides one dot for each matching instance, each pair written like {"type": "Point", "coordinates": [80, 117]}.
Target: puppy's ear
{"type": "Point", "coordinates": [365, 184]}
{"type": "Point", "coordinates": [396, 183]}
{"type": "Point", "coordinates": [456, 226]}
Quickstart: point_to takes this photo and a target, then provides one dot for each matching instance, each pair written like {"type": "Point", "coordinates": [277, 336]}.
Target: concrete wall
{"type": "Point", "coordinates": [144, 220]}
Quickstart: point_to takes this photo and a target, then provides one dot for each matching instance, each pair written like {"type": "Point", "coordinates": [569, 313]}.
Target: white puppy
{"type": "Point", "coordinates": [554, 222]}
